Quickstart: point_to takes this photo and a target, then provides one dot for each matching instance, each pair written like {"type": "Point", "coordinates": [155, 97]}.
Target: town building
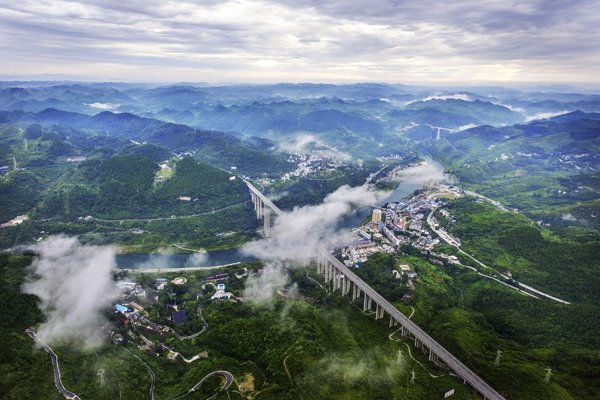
{"type": "Point", "coordinates": [376, 216]}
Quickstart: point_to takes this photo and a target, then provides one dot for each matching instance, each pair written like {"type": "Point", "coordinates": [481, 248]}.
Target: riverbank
{"type": "Point", "coordinates": [177, 269]}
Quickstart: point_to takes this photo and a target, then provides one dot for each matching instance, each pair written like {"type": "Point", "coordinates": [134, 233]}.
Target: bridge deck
{"type": "Point", "coordinates": [458, 367]}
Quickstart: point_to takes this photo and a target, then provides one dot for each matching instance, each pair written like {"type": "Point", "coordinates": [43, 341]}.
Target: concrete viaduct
{"type": "Point", "coordinates": [348, 283]}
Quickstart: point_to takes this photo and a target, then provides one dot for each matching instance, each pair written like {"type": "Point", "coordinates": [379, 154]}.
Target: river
{"type": "Point", "coordinates": [164, 260]}
{"type": "Point", "coordinates": [416, 177]}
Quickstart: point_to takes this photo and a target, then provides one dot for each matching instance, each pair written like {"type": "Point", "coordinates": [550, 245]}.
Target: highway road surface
{"type": "Point", "coordinates": [57, 381]}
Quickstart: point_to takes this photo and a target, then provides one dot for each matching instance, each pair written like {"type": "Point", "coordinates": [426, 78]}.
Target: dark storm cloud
{"type": "Point", "coordinates": [304, 39]}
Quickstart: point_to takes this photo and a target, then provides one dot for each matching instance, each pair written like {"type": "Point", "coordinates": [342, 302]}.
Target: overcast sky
{"type": "Point", "coordinates": [414, 41]}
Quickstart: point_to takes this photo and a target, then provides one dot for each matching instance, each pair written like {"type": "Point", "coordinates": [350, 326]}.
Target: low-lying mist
{"type": "Point", "coordinates": [74, 284]}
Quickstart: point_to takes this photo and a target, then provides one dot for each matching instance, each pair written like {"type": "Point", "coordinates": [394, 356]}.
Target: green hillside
{"type": "Point", "coordinates": [548, 168]}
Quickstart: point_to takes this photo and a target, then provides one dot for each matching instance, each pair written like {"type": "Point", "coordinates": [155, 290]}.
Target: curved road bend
{"type": "Point", "coordinates": [193, 335]}
{"type": "Point", "coordinates": [57, 379]}
{"type": "Point", "coordinates": [152, 375]}
{"type": "Point", "coordinates": [228, 381]}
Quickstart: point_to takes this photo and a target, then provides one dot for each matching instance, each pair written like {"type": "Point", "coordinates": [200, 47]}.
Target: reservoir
{"type": "Point", "coordinates": [165, 260]}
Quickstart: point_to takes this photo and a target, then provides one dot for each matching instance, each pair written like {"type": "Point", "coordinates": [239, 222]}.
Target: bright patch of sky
{"type": "Point", "coordinates": [465, 41]}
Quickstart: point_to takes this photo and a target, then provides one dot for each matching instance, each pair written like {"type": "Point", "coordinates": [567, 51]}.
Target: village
{"type": "Point", "coordinates": [156, 312]}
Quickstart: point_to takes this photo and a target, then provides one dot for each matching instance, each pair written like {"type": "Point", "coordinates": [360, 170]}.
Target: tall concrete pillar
{"type": "Point", "coordinates": [267, 221]}
{"type": "Point", "coordinates": [380, 312]}
{"type": "Point", "coordinates": [392, 320]}
{"type": "Point", "coordinates": [260, 208]}
{"type": "Point", "coordinates": [417, 343]}
{"type": "Point", "coordinates": [431, 355]}
{"type": "Point", "coordinates": [369, 300]}
{"type": "Point", "coordinates": [376, 311]}
{"type": "Point", "coordinates": [354, 296]}
{"type": "Point", "coordinates": [365, 303]}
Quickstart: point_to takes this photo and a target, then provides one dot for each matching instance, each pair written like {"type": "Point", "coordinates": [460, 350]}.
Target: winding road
{"type": "Point", "coordinates": [193, 335]}
{"type": "Point", "coordinates": [228, 381]}
{"type": "Point", "coordinates": [448, 239]}
{"type": "Point", "coordinates": [57, 378]}
{"type": "Point", "coordinates": [152, 219]}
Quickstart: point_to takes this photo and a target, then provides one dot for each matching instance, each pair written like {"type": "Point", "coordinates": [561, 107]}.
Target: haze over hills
{"type": "Point", "coordinates": [283, 200]}
{"type": "Point", "coordinates": [161, 169]}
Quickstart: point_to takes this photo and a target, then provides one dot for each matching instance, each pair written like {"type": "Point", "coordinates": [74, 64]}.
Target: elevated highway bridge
{"type": "Point", "coordinates": [343, 279]}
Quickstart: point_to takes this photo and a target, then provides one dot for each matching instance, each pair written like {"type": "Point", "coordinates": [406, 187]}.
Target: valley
{"type": "Point", "coordinates": [475, 221]}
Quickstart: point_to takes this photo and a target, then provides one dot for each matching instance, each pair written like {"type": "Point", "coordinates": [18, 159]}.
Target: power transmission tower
{"type": "Point", "coordinates": [548, 375]}
{"type": "Point", "coordinates": [497, 360]}
{"type": "Point", "coordinates": [399, 359]}
{"type": "Point", "coordinates": [101, 375]}
{"type": "Point", "coordinates": [412, 377]}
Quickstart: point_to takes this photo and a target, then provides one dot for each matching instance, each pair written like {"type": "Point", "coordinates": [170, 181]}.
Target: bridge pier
{"type": "Point", "coordinates": [366, 303]}
{"type": "Point", "coordinates": [379, 311]}
{"type": "Point", "coordinates": [417, 343]}
{"type": "Point", "coordinates": [432, 355]}
{"type": "Point", "coordinates": [267, 221]}
{"type": "Point", "coordinates": [347, 285]}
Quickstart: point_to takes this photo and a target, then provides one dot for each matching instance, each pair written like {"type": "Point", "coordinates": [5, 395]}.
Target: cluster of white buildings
{"type": "Point", "coordinates": [310, 164]}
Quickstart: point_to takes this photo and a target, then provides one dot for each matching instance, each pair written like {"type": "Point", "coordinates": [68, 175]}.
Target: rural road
{"type": "Point", "coordinates": [57, 379]}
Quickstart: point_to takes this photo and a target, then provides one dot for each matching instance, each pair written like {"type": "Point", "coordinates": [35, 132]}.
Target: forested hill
{"type": "Point", "coordinates": [222, 149]}
{"type": "Point", "coordinates": [132, 184]}
{"type": "Point", "coordinates": [547, 168]}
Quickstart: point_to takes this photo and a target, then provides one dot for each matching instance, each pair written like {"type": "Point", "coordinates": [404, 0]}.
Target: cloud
{"type": "Point", "coordinates": [307, 143]}
{"type": "Point", "coordinates": [455, 96]}
{"type": "Point", "coordinates": [297, 234]}
{"type": "Point", "coordinates": [568, 217]}
{"type": "Point", "coordinates": [197, 259]}
{"type": "Point", "coordinates": [299, 144]}
{"type": "Point", "coordinates": [465, 127]}
{"type": "Point", "coordinates": [104, 106]}
{"type": "Point", "coordinates": [159, 259]}
{"type": "Point", "coordinates": [545, 115]}
{"type": "Point", "coordinates": [424, 173]}
{"type": "Point", "coordinates": [74, 284]}
{"type": "Point", "coordinates": [262, 288]}
{"type": "Point", "coordinates": [306, 40]}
